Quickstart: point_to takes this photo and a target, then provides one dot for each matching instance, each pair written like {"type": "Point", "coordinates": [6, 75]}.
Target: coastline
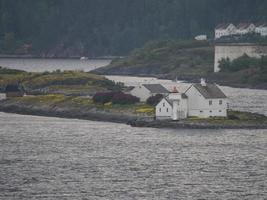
{"type": "Point", "coordinates": [187, 79]}
{"type": "Point", "coordinates": [30, 56]}
{"type": "Point", "coordinates": [132, 120]}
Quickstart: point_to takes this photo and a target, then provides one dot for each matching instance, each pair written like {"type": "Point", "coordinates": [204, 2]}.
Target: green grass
{"type": "Point", "coordinates": [60, 100]}
{"type": "Point", "coordinates": [234, 118]}
{"type": "Point", "coordinates": [70, 82]}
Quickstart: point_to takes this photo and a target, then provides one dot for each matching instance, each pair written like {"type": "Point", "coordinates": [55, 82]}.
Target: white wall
{"type": "Point", "coordinates": [163, 110]}
{"type": "Point", "coordinates": [199, 106]}
{"type": "Point", "coordinates": [230, 30]}
{"type": "Point", "coordinates": [261, 30]}
{"type": "Point", "coordinates": [2, 96]}
{"type": "Point", "coordinates": [233, 51]}
{"type": "Point", "coordinates": [141, 92]}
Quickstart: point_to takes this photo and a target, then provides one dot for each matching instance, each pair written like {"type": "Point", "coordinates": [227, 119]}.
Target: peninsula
{"type": "Point", "coordinates": [70, 94]}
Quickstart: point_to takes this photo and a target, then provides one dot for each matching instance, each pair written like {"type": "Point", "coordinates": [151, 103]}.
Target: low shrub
{"type": "Point", "coordinates": [103, 97]}
{"type": "Point", "coordinates": [233, 117]}
{"type": "Point", "coordinates": [121, 98]}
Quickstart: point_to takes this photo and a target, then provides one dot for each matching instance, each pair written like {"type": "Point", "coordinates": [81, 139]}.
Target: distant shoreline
{"type": "Point", "coordinates": [56, 57]}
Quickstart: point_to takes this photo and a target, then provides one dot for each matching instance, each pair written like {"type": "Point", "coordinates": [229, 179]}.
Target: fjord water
{"type": "Point", "coordinates": [47, 64]}
{"type": "Point", "coordinates": [53, 158]}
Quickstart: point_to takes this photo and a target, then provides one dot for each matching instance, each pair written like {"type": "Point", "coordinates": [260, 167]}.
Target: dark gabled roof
{"type": "Point", "coordinates": [243, 25]}
{"type": "Point", "coordinates": [222, 26]}
{"type": "Point", "coordinates": [12, 88]}
{"type": "Point", "coordinates": [168, 100]}
{"type": "Point", "coordinates": [156, 88]}
{"type": "Point", "coordinates": [210, 91]}
{"type": "Point", "coordinates": [184, 96]}
{"type": "Point", "coordinates": [261, 24]}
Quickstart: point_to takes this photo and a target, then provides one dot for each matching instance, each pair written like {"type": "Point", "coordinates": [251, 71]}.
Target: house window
{"type": "Point", "coordinates": [220, 111]}
{"type": "Point", "coordinates": [210, 111]}
{"type": "Point", "coordinates": [210, 102]}
{"type": "Point", "coordinates": [163, 104]}
{"type": "Point", "coordinates": [167, 109]}
{"type": "Point", "coordinates": [159, 109]}
{"type": "Point", "coordinates": [220, 102]}
{"type": "Point", "coordinates": [201, 111]}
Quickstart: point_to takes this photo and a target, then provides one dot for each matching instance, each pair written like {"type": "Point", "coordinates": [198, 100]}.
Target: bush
{"type": "Point", "coordinates": [233, 117]}
{"type": "Point", "coordinates": [154, 100]}
{"type": "Point", "coordinates": [103, 97]}
{"type": "Point", "coordinates": [121, 98]}
{"type": "Point", "coordinates": [115, 98]}
{"type": "Point", "coordinates": [241, 63]}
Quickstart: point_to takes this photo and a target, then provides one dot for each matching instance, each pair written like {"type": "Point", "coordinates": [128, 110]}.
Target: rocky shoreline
{"type": "Point", "coordinates": [193, 125]}
{"type": "Point", "coordinates": [133, 120]}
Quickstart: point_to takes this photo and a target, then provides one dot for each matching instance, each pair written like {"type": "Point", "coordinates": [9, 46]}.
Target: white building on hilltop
{"type": "Point", "coordinates": [199, 100]}
{"type": "Point", "coordinates": [224, 30]}
{"type": "Point", "coordinates": [143, 92]}
{"type": "Point", "coordinates": [261, 28]}
{"type": "Point", "coordinates": [245, 28]}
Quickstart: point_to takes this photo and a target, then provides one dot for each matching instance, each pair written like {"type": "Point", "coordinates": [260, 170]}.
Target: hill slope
{"type": "Point", "coordinates": [168, 58]}
{"type": "Point", "coordinates": [188, 60]}
{"type": "Point", "coordinates": [105, 27]}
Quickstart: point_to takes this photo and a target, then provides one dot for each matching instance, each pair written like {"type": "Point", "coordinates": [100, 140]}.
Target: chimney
{"type": "Point", "coordinates": [203, 82]}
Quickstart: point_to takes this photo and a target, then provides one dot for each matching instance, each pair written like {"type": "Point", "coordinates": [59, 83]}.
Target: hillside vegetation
{"type": "Point", "coordinates": [245, 70]}
{"type": "Point", "coordinates": [167, 58]}
{"type": "Point", "coordinates": [65, 82]}
{"type": "Point", "coordinates": [189, 60]}
{"type": "Point", "coordinates": [105, 27]}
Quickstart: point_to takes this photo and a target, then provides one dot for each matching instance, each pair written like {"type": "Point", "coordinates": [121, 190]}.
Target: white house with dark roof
{"type": "Point", "coordinates": [199, 100]}
{"type": "Point", "coordinates": [144, 91]}
{"type": "Point", "coordinates": [245, 28]}
{"type": "Point", "coordinates": [224, 30]}
{"type": "Point", "coordinates": [206, 100]}
{"type": "Point", "coordinates": [261, 28]}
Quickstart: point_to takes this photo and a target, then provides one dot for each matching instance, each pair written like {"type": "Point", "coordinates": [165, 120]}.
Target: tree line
{"type": "Point", "coordinates": [105, 27]}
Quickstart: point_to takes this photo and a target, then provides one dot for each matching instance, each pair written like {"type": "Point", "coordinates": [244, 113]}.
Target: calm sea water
{"type": "Point", "coordinates": [40, 65]}
{"type": "Point", "coordinates": [53, 158]}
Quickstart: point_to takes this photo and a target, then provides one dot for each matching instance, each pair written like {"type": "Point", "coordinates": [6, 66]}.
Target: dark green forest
{"type": "Point", "coordinates": [112, 27]}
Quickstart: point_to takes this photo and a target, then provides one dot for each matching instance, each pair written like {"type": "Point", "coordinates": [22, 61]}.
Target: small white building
{"type": "Point", "coordinates": [245, 28]}
{"type": "Point", "coordinates": [261, 28]}
{"type": "Point", "coordinates": [174, 107]}
{"type": "Point", "coordinates": [144, 91]}
{"type": "Point", "coordinates": [224, 30]}
{"type": "Point", "coordinates": [201, 100]}
{"type": "Point", "coordinates": [201, 37]}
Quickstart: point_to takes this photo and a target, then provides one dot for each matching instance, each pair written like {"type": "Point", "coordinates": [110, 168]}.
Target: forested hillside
{"type": "Point", "coordinates": [112, 27]}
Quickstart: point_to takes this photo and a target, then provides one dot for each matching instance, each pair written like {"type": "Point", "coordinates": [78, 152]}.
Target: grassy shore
{"type": "Point", "coordinates": [69, 94]}
{"type": "Point", "coordinates": [57, 82]}
{"type": "Point", "coordinates": [139, 114]}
